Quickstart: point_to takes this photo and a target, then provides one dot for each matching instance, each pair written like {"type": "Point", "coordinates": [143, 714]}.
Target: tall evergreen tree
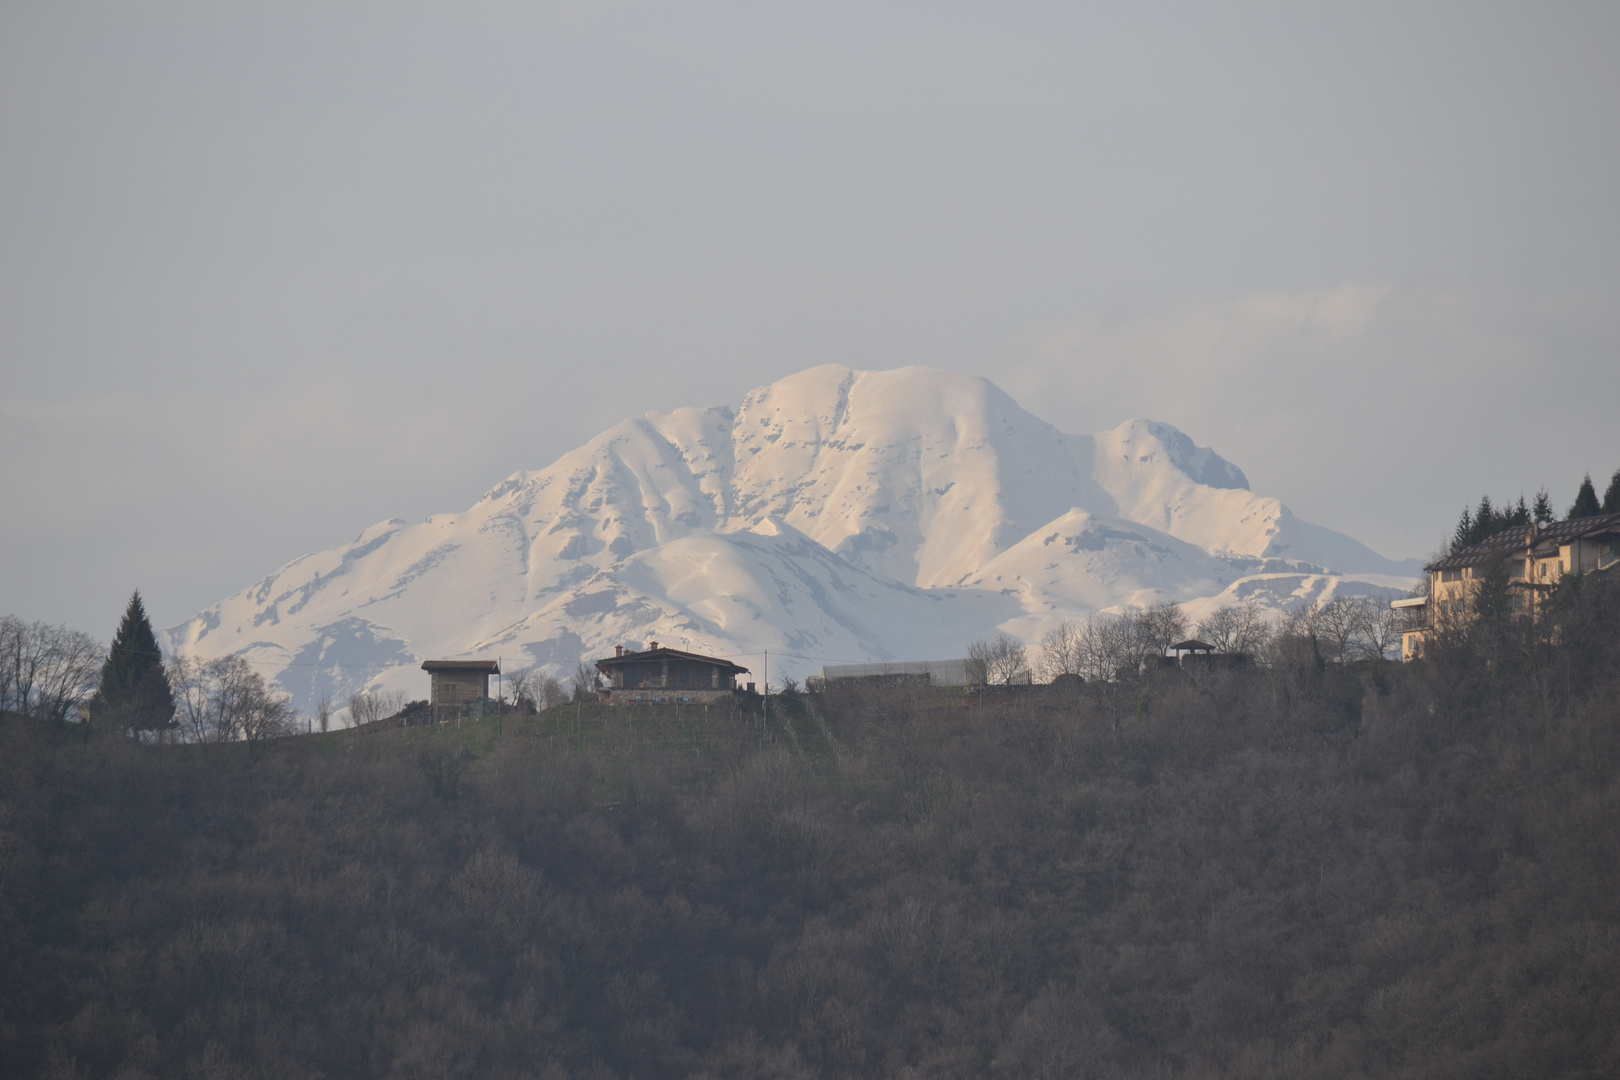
{"type": "Point", "coordinates": [1543, 510]}
{"type": "Point", "coordinates": [1586, 501]}
{"type": "Point", "coordinates": [134, 689]}
{"type": "Point", "coordinates": [1464, 536]}
{"type": "Point", "coordinates": [1611, 497]}
{"type": "Point", "coordinates": [1520, 514]}
{"type": "Point", "coordinates": [1484, 519]}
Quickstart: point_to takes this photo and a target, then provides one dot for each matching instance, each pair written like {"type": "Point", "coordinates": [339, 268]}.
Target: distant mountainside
{"type": "Point", "coordinates": [834, 515]}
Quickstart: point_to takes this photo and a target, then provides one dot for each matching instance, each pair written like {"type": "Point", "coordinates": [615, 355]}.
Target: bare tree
{"type": "Point", "coordinates": [549, 692]}
{"type": "Point", "coordinates": [1236, 631]}
{"type": "Point", "coordinates": [225, 700]}
{"type": "Point", "coordinates": [520, 689]}
{"type": "Point", "coordinates": [1162, 625]}
{"type": "Point", "coordinates": [1098, 648]}
{"type": "Point", "coordinates": [1334, 624]}
{"type": "Point", "coordinates": [188, 682]}
{"type": "Point", "coordinates": [14, 684]}
{"type": "Point", "coordinates": [1293, 641]}
{"type": "Point", "coordinates": [1110, 650]}
{"type": "Point", "coordinates": [1004, 658]}
{"type": "Point", "coordinates": [1379, 629]}
{"type": "Point", "coordinates": [1220, 629]}
{"type": "Point", "coordinates": [1344, 628]}
{"type": "Point", "coordinates": [1128, 642]}
{"type": "Point", "coordinates": [1108, 647]}
{"type": "Point", "coordinates": [1061, 651]}
{"type": "Point", "coordinates": [261, 713]}
{"type": "Point", "coordinates": [584, 682]}
{"type": "Point", "coordinates": [373, 705]}
{"type": "Point", "coordinates": [47, 671]}
{"type": "Point", "coordinates": [69, 675]}
{"type": "Point", "coordinates": [323, 713]}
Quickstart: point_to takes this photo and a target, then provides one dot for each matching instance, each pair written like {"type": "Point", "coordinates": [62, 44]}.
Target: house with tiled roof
{"type": "Point", "coordinates": [660, 675]}
{"type": "Point", "coordinates": [1534, 558]}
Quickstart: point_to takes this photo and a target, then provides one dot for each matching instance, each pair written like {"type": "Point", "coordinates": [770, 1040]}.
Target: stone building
{"type": "Point", "coordinates": [665, 675]}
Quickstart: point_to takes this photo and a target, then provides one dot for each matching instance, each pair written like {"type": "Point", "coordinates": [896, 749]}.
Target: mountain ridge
{"type": "Point", "coordinates": [834, 514]}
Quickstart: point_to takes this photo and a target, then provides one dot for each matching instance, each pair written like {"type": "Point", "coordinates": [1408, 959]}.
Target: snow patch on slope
{"type": "Point", "coordinates": [833, 515]}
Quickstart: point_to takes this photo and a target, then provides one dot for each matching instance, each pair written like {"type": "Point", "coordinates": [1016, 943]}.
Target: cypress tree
{"type": "Point", "coordinates": [1611, 497]}
{"type": "Point", "coordinates": [134, 689]}
{"type": "Point", "coordinates": [1586, 500]}
{"type": "Point", "coordinates": [1543, 510]}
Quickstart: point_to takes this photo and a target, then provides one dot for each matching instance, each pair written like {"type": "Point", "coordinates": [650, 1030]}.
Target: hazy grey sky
{"type": "Point", "coordinates": [270, 273]}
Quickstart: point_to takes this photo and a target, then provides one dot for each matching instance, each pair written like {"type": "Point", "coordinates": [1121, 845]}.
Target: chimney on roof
{"type": "Point", "coordinates": [654, 644]}
{"type": "Point", "coordinates": [618, 650]}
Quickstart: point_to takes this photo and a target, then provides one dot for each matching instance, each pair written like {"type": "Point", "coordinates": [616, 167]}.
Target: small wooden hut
{"type": "Point", "coordinates": [457, 684]}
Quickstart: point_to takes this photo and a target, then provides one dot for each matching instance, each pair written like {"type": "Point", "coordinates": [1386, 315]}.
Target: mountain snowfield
{"type": "Point", "coordinates": [834, 516]}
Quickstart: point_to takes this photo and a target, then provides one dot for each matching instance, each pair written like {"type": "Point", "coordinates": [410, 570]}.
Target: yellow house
{"type": "Point", "coordinates": [1535, 558]}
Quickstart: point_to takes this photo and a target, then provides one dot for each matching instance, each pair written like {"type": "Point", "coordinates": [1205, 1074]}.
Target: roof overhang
{"type": "Point", "coordinates": [652, 656]}
{"type": "Point", "coordinates": [463, 667]}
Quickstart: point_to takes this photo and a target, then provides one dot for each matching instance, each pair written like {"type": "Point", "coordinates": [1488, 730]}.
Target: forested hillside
{"type": "Point", "coordinates": [1295, 869]}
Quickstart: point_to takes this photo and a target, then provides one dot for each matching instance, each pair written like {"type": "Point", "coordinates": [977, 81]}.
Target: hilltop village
{"type": "Point", "coordinates": [1517, 568]}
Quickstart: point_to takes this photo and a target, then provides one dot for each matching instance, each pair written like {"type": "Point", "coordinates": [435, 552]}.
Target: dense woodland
{"type": "Point", "coordinates": [1289, 868]}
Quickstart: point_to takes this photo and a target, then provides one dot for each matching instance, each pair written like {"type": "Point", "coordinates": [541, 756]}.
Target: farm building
{"type": "Point", "coordinates": [457, 684]}
{"type": "Point", "coordinates": [900, 673]}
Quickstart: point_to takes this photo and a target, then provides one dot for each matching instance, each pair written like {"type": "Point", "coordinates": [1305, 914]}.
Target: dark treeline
{"type": "Point", "coordinates": [1487, 519]}
{"type": "Point", "coordinates": [1296, 869]}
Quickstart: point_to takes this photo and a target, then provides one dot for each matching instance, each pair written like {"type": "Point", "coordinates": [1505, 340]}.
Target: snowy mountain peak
{"type": "Point", "coordinates": [1148, 441]}
{"type": "Point", "coordinates": [834, 514]}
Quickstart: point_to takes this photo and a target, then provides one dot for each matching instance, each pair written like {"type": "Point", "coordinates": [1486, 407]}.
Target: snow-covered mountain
{"type": "Point", "coordinates": [835, 515]}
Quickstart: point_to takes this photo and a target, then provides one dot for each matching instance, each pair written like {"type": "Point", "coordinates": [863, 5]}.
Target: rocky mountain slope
{"type": "Point", "coordinates": [835, 515]}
